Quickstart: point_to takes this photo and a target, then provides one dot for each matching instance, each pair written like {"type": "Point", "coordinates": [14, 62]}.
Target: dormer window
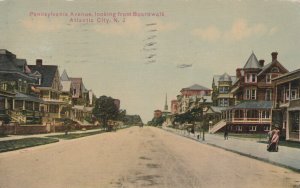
{"type": "Point", "coordinates": [275, 69]}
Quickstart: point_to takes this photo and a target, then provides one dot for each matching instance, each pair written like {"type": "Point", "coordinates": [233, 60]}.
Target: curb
{"type": "Point", "coordinates": [241, 153]}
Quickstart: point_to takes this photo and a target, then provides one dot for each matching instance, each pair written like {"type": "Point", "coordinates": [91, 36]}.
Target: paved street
{"type": "Point", "coordinates": [137, 157]}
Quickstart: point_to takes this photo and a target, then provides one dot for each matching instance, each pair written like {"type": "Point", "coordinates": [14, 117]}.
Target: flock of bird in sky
{"type": "Point", "coordinates": [150, 46]}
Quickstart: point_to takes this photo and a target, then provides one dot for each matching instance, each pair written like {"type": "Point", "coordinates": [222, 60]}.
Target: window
{"type": "Point", "coordinates": [287, 95]}
{"type": "Point", "coordinates": [265, 114]}
{"type": "Point", "coordinates": [275, 69]}
{"type": "Point", "coordinates": [293, 94]}
{"type": "Point", "coordinates": [268, 78]}
{"type": "Point", "coordinates": [4, 86]}
{"type": "Point", "coordinates": [74, 91]}
{"type": "Point", "coordinates": [223, 102]}
{"type": "Point", "coordinates": [294, 121]}
{"type": "Point", "coordinates": [267, 128]}
{"type": "Point", "coordinates": [248, 93]}
{"type": "Point", "coordinates": [251, 78]}
{"type": "Point", "coordinates": [223, 89]}
{"type": "Point", "coordinates": [268, 95]}
{"type": "Point", "coordinates": [252, 128]}
{"type": "Point", "coordinates": [253, 94]}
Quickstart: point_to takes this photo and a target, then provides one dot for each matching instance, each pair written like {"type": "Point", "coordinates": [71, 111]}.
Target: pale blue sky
{"type": "Point", "coordinates": [214, 36]}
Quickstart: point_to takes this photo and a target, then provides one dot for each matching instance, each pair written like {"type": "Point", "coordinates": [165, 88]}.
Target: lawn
{"type": "Point", "coordinates": [75, 135]}
{"type": "Point", "coordinates": [255, 137]}
{"type": "Point", "coordinates": [10, 145]}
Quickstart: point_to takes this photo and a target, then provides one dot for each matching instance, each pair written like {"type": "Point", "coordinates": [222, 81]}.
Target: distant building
{"type": "Point", "coordinates": [174, 106]}
{"type": "Point", "coordinates": [190, 94]}
{"type": "Point", "coordinates": [221, 95]}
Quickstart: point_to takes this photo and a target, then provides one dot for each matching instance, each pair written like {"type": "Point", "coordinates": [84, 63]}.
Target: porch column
{"type": "Point", "coordinates": [245, 114]}
{"type": "Point", "coordinates": [275, 100]}
{"type": "Point", "coordinates": [232, 115]}
{"type": "Point", "coordinates": [33, 109]}
{"type": "Point", "coordinates": [5, 103]}
{"type": "Point", "coordinates": [13, 104]}
{"type": "Point", "coordinates": [299, 127]}
{"type": "Point", "coordinates": [59, 110]}
{"type": "Point", "coordinates": [23, 104]}
{"type": "Point", "coordinates": [290, 85]}
{"type": "Point", "coordinates": [284, 97]}
{"type": "Point", "coordinates": [287, 125]}
{"type": "Point", "coordinates": [260, 115]}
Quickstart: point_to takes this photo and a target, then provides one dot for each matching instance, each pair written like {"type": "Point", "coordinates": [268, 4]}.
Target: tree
{"type": "Point", "coordinates": [105, 109]}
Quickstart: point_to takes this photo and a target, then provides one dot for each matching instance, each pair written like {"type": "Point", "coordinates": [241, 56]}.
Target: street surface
{"type": "Point", "coordinates": [136, 157]}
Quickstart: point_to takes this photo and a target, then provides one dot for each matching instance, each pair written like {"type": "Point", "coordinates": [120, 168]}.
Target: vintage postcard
{"type": "Point", "coordinates": [138, 93]}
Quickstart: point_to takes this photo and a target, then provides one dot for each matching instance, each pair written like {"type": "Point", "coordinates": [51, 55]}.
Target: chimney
{"type": "Point", "coordinates": [261, 62]}
{"type": "Point", "coordinates": [274, 56]}
{"type": "Point", "coordinates": [238, 73]}
{"type": "Point", "coordinates": [39, 62]}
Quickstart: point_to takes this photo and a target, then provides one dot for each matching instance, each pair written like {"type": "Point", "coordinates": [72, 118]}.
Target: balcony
{"type": "Point", "coordinates": [250, 120]}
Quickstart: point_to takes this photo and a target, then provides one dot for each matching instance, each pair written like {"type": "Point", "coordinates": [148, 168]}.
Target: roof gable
{"type": "Point", "coordinates": [64, 76]}
{"type": "Point", "coordinates": [252, 62]}
{"type": "Point", "coordinates": [269, 67]}
{"type": "Point", "coordinates": [48, 73]}
{"type": "Point", "coordinates": [196, 87]}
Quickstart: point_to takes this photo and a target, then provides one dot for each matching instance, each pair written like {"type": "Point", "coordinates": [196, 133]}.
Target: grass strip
{"type": "Point", "coordinates": [75, 135]}
{"type": "Point", "coordinates": [10, 145]}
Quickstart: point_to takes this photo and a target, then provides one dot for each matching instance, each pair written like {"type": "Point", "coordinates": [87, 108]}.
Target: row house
{"type": "Point", "coordinates": [253, 91]}
{"type": "Point", "coordinates": [221, 87]}
{"type": "Point", "coordinates": [19, 101]}
{"type": "Point", "coordinates": [189, 96]}
{"type": "Point", "coordinates": [286, 103]}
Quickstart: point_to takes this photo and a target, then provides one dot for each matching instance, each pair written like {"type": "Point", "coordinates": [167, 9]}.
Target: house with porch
{"type": "Point", "coordinates": [49, 85]}
{"type": "Point", "coordinates": [254, 93]}
{"type": "Point", "coordinates": [286, 111]}
{"type": "Point", "coordinates": [19, 101]}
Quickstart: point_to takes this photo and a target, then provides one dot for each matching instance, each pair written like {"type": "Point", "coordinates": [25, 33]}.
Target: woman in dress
{"type": "Point", "coordinates": [274, 140]}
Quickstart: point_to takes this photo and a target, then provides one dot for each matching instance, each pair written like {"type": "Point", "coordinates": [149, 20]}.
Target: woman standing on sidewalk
{"type": "Point", "coordinates": [274, 140]}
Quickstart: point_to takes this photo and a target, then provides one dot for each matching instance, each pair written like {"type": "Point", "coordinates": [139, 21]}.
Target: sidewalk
{"type": "Point", "coordinates": [286, 157]}
{"type": "Point", "coordinates": [16, 137]}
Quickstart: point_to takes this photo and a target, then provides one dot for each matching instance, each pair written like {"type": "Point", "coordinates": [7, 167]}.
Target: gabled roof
{"type": "Point", "coordinates": [196, 87]}
{"type": "Point", "coordinates": [48, 73]}
{"type": "Point", "coordinates": [77, 84]}
{"type": "Point", "coordinates": [252, 62]}
{"type": "Point", "coordinates": [64, 76]}
{"type": "Point", "coordinates": [8, 61]}
{"type": "Point", "coordinates": [267, 66]}
{"type": "Point", "coordinates": [225, 77]}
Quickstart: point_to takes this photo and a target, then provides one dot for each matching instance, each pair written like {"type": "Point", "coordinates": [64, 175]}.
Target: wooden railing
{"type": "Point", "coordinates": [251, 120]}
